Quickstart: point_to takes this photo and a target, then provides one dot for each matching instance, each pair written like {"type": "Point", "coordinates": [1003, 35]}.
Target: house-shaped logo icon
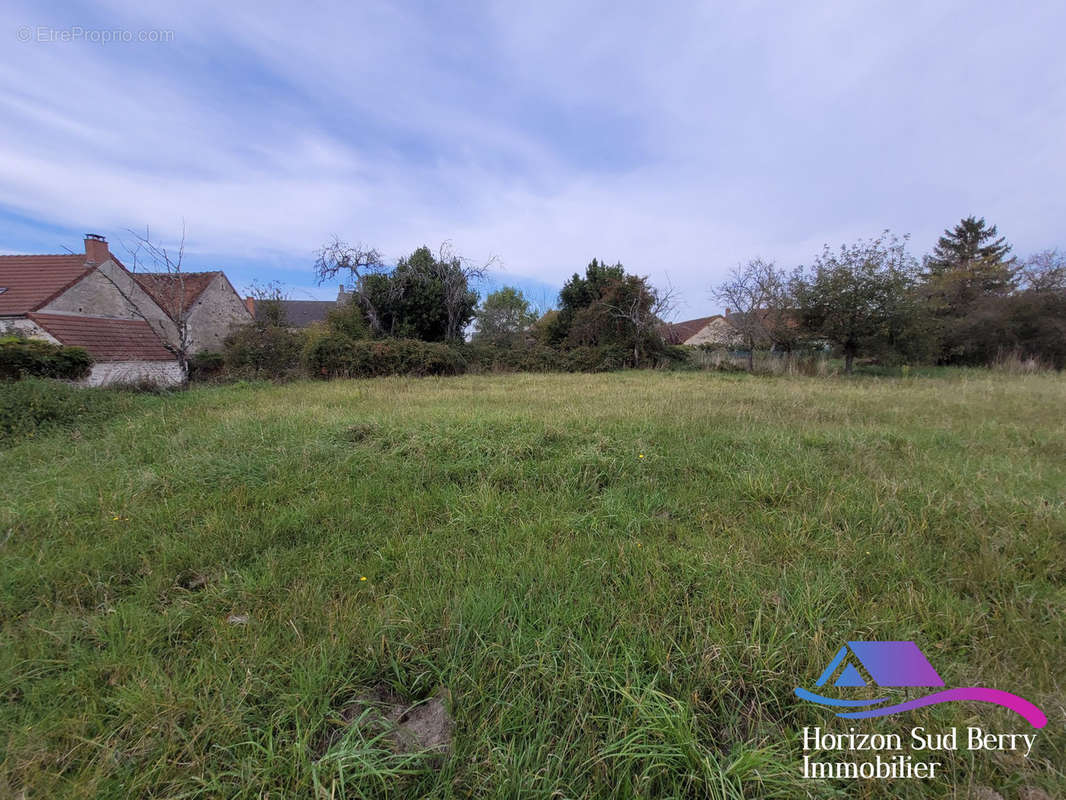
{"type": "Point", "coordinates": [887, 663]}
{"type": "Point", "coordinates": [890, 665]}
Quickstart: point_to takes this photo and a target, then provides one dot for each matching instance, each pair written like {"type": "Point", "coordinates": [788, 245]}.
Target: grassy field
{"type": "Point", "coordinates": [619, 579]}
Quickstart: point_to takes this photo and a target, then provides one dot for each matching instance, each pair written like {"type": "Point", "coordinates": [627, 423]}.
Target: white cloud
{"type": "Point", "coordinates": [677, 139]}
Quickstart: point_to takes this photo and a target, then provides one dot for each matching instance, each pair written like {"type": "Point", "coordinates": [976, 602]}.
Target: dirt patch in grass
{"type": "Point", "coordinates": [406, 727]}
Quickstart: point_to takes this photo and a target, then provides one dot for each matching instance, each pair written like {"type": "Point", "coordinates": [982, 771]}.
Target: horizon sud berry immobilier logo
{"type": "Point", "coordinates": [859, 666]}
{"type": "Point", "coordinates": [902, 664]}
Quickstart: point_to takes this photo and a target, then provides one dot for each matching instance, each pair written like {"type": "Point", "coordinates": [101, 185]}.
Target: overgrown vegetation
{"type": "Point", "coordinates": [338, 356]}
{"type": "Point", "coordinates": [619, 578]}
{"type": "Point", "coordinates": [969, 303]}
{"type": "Point", "coordinates": [34, 406]}
{"type": "Point", "coordinates": [21, 357]}
{"type": "Point", "coordinates": [867, 302]}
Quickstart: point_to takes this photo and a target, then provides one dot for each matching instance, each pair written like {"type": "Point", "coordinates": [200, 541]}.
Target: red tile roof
{"type": "Point", "coordinates": [106, 338]}
{"type": "Point", "coordinates": [174, 292]}
{"type": "Point", "coordinates": [681, 332]}
{"type": "Point", "coordinates": [31, 281]}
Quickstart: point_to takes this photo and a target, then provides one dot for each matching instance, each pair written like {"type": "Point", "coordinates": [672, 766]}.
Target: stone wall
{"type": "Point", "coordinates": [110, 291]}
{"type": "Point", "coordinates": [716, 332]}
{"type": "Point", "coordinates": [27, 327]}
{"type": "Point", "coordinates": [216, 312]}
{"type": "Point", "coordinates": [161, 373]}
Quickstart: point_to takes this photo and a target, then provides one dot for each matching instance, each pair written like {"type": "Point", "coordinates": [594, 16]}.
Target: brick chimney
{"type": "Point", "coordinates": [249, 303]}
{"type": "Point", "coordinates": [727, 311]}
{"type": "Point", "coordinates": [96, 248]}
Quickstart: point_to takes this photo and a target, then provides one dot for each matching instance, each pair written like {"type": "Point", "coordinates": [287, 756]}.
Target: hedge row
{"type": "Point", "coordinates": [538, 358]}
{"type": "Point", "coordinates": [337, 356]}
{"type": "Point", "coordinates": [20, 358]}
{"type": "Point", "coordinates": [258, 351]}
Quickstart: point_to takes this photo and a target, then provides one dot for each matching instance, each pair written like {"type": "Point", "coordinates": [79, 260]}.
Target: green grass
{"type": "Point", "coordinates": [608, 625]}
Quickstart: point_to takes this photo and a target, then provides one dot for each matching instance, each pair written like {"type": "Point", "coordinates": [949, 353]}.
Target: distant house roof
{"type": "Point", "coordinates": [31, 281]}
{"type": "Point", "coordinates": [174, 292]}
{"type": "Point", "coordinates": [300, 313]}
{"type": "Point", "coordinates": [680, 332]}
{"type": "Point", "coordinates": [106, 338]}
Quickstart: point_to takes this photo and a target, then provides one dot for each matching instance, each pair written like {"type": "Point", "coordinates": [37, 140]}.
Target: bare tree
{"type": "Point", "coordinates": [456, 274]}
{"type": "Point", "coordinates": [164, 281]}
{"type": "Point", "coordinates": [1044, 272]}
{"type": "Point", "coordinates": [355, 264]}
{"type": "Point", "coordinates": [269, 303]}
{"type": "Point", "coordinates": [163, 269]}
{"type": "Point", "coordinates": [780, 320]}
{"type": "Point", "coordinates": [746, 291]}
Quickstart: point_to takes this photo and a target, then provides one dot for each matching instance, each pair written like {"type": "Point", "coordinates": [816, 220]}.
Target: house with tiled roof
{"type": "Point", "coordinates": [124, 320]}
{"type": "Point", "coordinates": [774, 329]}
{"type": "Point", "coordinates": [298, 314]}
{"type": "Point", "coordinates": [205, 303]}
{"type": "Point", "coordinates": [715, 330]}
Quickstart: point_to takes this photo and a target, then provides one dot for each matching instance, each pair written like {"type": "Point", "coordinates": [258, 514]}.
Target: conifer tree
{"type": "Point", "coordinates": [970, 260]}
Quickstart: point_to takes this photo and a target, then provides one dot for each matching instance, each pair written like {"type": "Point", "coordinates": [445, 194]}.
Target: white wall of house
{"type": "Point", "coordinates": [27, 327]}
{"type": "Point", "coordinates": [716, 332]}
{"type": "Point", "coordinates": [161, 373]}
{"type": "Point", "coordinates": [216, 312]}
{"type": "Point", "coordinates": [110, 291]}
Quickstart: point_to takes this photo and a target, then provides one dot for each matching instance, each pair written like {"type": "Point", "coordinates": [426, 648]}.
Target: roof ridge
{"type": "Point", "coordinates": [43, 255]}
{"type": "Point", "coordinates": [178, 274]}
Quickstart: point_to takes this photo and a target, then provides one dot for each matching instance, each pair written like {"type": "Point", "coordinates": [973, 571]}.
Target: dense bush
{"type": "Point", "coordinates": [263, 351]}
{"type": "Point", "coordinates": [206, 365]}
{"type": "Point", "coordinates": [21, 358]}
{"type": "Point", "coordinates": [337, 356]}
{"type": "Point", "coordinates": [604, 358]}
{"type": "Point", "coordinates": [347, 319]}
{"type": "Point", "coordinates": [32, 405]}
{"type": "Point", "coordinates": [540, 358]}
{"type": "Point", "coordinates": [481, 357]}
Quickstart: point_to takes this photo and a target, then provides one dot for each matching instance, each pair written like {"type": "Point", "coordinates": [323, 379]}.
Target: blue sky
{"type": "Point", "coordinates": [678, 138]}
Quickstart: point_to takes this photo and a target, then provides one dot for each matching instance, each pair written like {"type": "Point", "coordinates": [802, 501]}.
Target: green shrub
{"type": "Point", "coordinates": [674, 356]}
{"type": "Point", "coordinates": [337, 356]}
{"type": "Point", "coordinates": [347, 319]}
{"type": "Point", "coordinates": [33, 405]}
{"type": "Point", "coordinates": [540, 358]}
{"type": "Point", "coordinates": [604, 358]}
{"type": "Point", "coordinates": [206, 365]}
{"type": "Point", "coordinates": [21, 358]}
{"type": "Point", "coordinates": [263, 351]}
{"type": "Point", "coordinates": [494, 358]}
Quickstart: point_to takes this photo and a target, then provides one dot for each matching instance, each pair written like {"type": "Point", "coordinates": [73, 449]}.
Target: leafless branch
{"type": "Point", "coordinates": [456, 274]}
{"type": "Point", "coordinates": [171, 296]}
{"type": "Point", "coordinates": [353, 264]}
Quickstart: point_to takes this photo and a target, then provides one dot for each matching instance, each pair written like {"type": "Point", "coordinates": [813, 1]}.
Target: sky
{"type": "Point", "coordinates": [677, 138]}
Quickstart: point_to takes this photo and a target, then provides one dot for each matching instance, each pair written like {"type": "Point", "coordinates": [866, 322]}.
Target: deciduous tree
{"type": "Point", "coordinates": [855, 297]}
{"type": "Point", "coordinates": [504, 318]}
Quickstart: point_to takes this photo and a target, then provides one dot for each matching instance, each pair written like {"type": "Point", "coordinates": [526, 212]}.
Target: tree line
{"type": "Point", "coordinates": [965, 303]}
